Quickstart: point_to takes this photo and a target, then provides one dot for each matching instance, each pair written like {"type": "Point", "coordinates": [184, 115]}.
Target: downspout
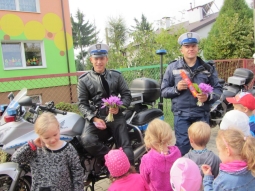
{"type": "Point", "coordinates": [67, 55]}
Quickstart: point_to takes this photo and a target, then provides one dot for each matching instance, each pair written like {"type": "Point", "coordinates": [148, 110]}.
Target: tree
{"type": "Point", "coordinates": [168, 39]}
{"type": "Point", "coordinates": [116, 37]}
{"type": "Point", "coordinates": [142, 51]}
{"type": "Point", "coordinates": [84, 34]}
{"type": "Point", "coordinates": [232, 34]}
{"type": "Point", "coordinates": [144, 25]}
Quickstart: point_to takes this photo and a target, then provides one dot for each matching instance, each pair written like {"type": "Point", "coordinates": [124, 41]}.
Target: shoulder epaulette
{"type": "Point", "coordinates": [81, 76]}
{"type": "Point", "coordinates": [210, 62]}
{"type": "Point", "coordinates": [115, 71]}
{"type": "Point", "coordinates": [172, 62]}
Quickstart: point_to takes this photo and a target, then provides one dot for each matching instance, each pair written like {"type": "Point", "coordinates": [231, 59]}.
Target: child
{"type": "Point", "coordinates": [185, 175]}
{"type": "Point", "coordinates": [236, 119]}
{"type": "Point", "coordinates": [123, 176]}
{"type": "Point", "coordinates": [245, 102]}
{"type": "Point", "coordinates": [156, 164]}
{"type": "Point", "coordinates": [237, 170]}
{"type": "Point", "coordinates": [54, 164]}
{"type": "Point", "coordinates": [199, 135]}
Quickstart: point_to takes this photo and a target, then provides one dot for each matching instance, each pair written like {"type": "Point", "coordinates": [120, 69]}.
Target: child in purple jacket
{"type": "Point", "coordinates": [156, 164]}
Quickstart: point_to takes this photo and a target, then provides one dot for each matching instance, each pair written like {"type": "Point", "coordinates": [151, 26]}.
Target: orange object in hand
{"type": "Point", "coordinates": [190, 85]}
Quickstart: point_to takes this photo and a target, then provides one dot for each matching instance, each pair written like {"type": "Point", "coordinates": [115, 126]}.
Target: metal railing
{"type": "Point", "coordinates": [62, 87]}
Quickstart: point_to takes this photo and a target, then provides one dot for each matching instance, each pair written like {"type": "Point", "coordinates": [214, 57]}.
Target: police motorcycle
{"type": "Point", "coordinates": [18, 130]}
{"type": "Point", "coordinates": [241, 81]}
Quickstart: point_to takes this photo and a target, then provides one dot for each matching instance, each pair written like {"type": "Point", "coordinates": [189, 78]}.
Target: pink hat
{"type": "Point", "coordinates": [185, 175]}
{"type": "Point", "coordinates": [117, 162]}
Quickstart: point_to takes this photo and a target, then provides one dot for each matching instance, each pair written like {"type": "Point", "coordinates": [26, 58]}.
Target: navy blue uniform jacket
{"type": "Point", "coordinates": [183, 102]}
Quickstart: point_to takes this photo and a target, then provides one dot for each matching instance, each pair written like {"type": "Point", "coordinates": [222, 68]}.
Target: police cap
{"type": "Point", "coordinates": [189, 38]}
{"type": "Point", "coordinates": [98, 50]}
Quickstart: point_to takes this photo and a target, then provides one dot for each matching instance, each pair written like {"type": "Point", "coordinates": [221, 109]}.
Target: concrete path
{"type": "Point", "coordinates": [104, 184]}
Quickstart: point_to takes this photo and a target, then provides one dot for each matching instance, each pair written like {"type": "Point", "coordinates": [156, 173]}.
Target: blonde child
{"type": "Point", "coordinates": [237, 170]}
{"type": "Point", "coordinates": [156, 164]}
{"type": "Point", "coordinates": [245, 102]}
{"type": "Point", "coordinates": [199, 135]}
{"type": "Point", "coordinates": [122, 175]}
{"type": "Point", "coordinates": [54, 163]}
{"type": "Point", "coordinates": [185, 175]}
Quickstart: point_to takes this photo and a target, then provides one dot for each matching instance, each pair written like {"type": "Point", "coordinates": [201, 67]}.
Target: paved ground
{"type": "Point", "coordinates": [104, 184]}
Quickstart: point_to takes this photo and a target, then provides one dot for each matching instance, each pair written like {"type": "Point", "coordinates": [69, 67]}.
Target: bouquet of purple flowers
{"type": "Point", "coordinates": [111, 102]}
{"type": "Point", "coordinates": [203, 88]}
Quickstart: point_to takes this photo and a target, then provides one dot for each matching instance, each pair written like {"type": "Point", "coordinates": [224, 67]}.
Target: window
{"type": "Point", "coordinates": [20, 5]}
{"type": "Point", "coordinates": [21, 55]}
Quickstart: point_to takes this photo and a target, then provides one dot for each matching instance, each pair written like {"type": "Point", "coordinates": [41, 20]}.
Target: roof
{"type": "Point", "coordinates": [193, 27]}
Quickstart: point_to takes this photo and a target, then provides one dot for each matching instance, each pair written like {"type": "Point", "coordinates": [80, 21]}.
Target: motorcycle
{"type": "Point", "coordinates": [241, 81]}
{"type": "Point", "coordinates": [16, 129]}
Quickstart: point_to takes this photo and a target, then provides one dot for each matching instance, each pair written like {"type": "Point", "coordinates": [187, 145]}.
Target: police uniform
{"type": "Point", "coordinates": [92, 87]}
{"type": "Point", "coordinates": [184, 105]}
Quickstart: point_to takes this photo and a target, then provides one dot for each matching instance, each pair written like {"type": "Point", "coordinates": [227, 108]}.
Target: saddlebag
{"type": "Point", "coordinates": [144, 117]}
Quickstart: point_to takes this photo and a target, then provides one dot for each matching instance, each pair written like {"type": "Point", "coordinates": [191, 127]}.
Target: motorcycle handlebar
{"type": "Point", "coordinates": [52, 110]}
{"type": "Point", "coordinates": [57, 111]}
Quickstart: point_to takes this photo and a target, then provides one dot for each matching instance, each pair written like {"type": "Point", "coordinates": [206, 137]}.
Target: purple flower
{"type": "Point", "coordinates": [205, 88]}
{"type": "Point", "coordinates": [112, 101]}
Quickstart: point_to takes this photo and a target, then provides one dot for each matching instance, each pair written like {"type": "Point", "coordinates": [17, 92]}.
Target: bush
{"type": "Point", "coordinates": [4, 157]}
{"type": "Point", "coordinates": [68, 107]}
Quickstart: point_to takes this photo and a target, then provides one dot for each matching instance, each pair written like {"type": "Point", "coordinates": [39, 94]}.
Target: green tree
{"type": "Point", "coordinates": [142, 25]}
{"type": "Point", "coordinates": [168, 40]}
{"type": "Point", "coordinates": [141, 51]}
{"type": "Point", "coordinates": [117, 35]}
{"type": "Point", "coordinates": [84, 34]}
{"type": "Point", "coordinates": [232, 34]}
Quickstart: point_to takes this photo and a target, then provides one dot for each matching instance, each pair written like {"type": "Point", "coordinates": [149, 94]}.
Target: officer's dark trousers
{"type": "Point", "coordinates": [181, 125]}
{"type": "Point", "coordinates": [92, 138]}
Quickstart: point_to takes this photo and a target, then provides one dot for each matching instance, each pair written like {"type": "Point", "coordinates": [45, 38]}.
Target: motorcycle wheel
{"type": "Point", "coordinates": [24, 183]}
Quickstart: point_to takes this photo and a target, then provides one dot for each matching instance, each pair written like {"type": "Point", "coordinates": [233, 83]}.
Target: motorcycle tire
{"type": "Point", "coordinates": [24, 183]}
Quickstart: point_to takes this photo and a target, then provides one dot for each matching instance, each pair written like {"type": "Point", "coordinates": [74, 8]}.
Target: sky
{"type": "Point", "coordinates": [98, 12]}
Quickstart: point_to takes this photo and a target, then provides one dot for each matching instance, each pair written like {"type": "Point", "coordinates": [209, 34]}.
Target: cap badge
{"type": "Point", "coordinates": [189, 35]}
{"type": "Point", "coordinates": [98, 46]}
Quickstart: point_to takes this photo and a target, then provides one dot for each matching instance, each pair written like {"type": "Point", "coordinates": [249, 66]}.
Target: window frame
{"type": "Point", "coordinates": [23, 56]}
{"type": "Point", "coordinates": [17, 5]}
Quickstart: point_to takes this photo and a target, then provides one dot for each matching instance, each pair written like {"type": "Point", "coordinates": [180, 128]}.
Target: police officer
{"type": "Point", "coordinates": [184, 105]}
{"type": "Point", "coordinates": [94, 85]}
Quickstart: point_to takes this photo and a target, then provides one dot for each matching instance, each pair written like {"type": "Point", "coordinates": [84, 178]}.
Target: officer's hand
{"type": "Point", "coordinates": [99, 123]}
{"type": "Point", "coordinates": [202, 97]}
{"type": "Point", "coordinates": [114, 110]}
{"type": "Point", "coordinates": [182, 85]}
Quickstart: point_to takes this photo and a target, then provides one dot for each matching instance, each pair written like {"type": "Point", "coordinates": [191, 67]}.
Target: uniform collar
{"type": "Point", "coordinates": [104, 73]}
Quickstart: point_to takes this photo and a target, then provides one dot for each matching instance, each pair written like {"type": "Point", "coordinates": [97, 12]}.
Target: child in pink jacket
{"type": "Point", "coordinates": [123, 176]}
{"type": "Point", "coordinates": [156, 164]}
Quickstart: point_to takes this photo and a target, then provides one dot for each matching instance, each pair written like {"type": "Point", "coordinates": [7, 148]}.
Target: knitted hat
{"type": "Point", "coordinates": [117, 162]}
{"type": "Point", "coordinates": [236, 119]}
{"type": "Point", "coordinates": [185, 175]}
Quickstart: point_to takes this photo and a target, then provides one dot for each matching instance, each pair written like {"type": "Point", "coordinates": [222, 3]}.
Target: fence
{"type": "Point", "coordinates": [62, 87]}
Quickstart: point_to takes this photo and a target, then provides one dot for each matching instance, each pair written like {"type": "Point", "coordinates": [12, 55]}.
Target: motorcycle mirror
{"type": "Point", "coordinates": [10, 96]}
{"type": "Point", "coordinates": [25, 101]}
